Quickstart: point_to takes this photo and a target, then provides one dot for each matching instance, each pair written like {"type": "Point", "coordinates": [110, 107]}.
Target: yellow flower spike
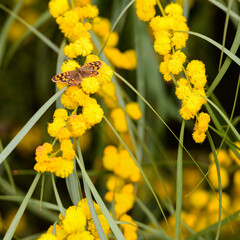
{"type": "Point", "coordinates": [60, 233]}
{"type": "Point", "coordinates": [162, 43]}
{"type": "Point", "coordinates": [173, 9]}
{"type": "Point", "coordinates": [119, 120]}
{"type": "Point", "coordinates": [67, 22]}
{"type": "Point", "coordinates": [74, 220]}
{"type": "Point", "coordinates": [47, 236]}
{"type": "Point", "coordinates": [129, 230]}
{"type": "Point", "coordinates": [175, 64]}
{"type": "Point", "coordinates": [102, 27]}
{"type": "Point", "coordinates": [90, 85]}
{"type": "Point", "coordinates": [163, 68]}
{"type": "Point", "coordinates": [63, 133]}
{"type": "Point", "coordinates": [69, 65]}
{"type": "Point", "coordinates": [67, 101]}
{"type": "Point", "coordinates": [82, 47]}
{"type": "Point", "coordinates": [67, 149]}
{"type": "Point", "coordinates": [183, 90]}
{"type": "Point", "coordinates": [60, 113]}
{"type": "Point", "coordinates": [58, 7]}
{"type": "Point", "coordinates": [126, 167]}
{"type": "Point", "coordinates": [145, 9]}
{"type": "Point", "coordinates": [133, 110]}
{"type": "Point", "coordinates": [56, 126]}
{"type": "Point", "coordinates": [92, 113]}
{"type": "Point", "coordinates": [63, 167]}
{"type": "Point", "coordinates": [77, 125]}
{"type": "Point", "coordinates": [110, 157]}
{"type": "Point", "coordinates": [88, 11]}
{"type": "Point", "coordinates": [114, 183]}
{"type": "Point", "coordinates": [197, 73]}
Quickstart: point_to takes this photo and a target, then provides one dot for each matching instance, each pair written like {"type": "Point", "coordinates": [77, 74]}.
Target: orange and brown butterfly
{"type": "Point", "coordinates": [74, 77]}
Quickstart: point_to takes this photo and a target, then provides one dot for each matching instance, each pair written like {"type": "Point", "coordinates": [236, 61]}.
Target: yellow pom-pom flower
{"type": "Point", "coordinates": [119, 120]}
{"type": "Point", "coordinates": [110, 157]}
{"type": "Point", "coordinates": [58, 7]}
{"type": "Point", "coordinates": [74, 220]}
{"type": "Point", "coordinates": [92, 113]}
{"type": "Point", "coordinates": [77, 125]}
{"type": "Point", "coordinates": [145, 9]}
{"type": "Point", "coordinates": [133, 110]}
{"type": "Point", "coordinates": [47, 236]}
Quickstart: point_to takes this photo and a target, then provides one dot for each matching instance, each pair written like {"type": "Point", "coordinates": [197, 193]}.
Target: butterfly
{"type": "Point", "coordinates": [74, 77]}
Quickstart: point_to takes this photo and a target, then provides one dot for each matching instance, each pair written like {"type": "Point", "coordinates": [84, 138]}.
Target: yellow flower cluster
{"type": "Point", "coordinates": [169, 39]}
{"type": "Point", "coordinates": [46, 160]}
{"type": "Point", "coordinates": [77, 224]}
{"type": "Point", "coordinates": [199, 133]}
{"type": "Point", "coordinates": [75, 24]}
{"type": "Point", "coordinates": [120, 185]}
{"type": "Point", "coordinates": [120, 163]}
{"type": "Point", "coordinates": [145, 9]}
{"type": "Point", "coordinates": [119, 118]}
{"type": "Point", "coordinates": [124, 60]}
{"type": "Point", "coordinates": [67, 125]}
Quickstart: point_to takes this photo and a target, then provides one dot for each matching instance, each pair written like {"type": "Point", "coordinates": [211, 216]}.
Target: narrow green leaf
{"type": "Point", "coordinates": [13, 48]}
{"type": "Point", "coordinates": [90, 200]}
{"type": "Point", "coordinates": [14, 224]}
{"type": "Point", "coordinates": [226, 119]}
{"type": "Point", "coordinates": [138, 165]}
{"type": "Point", "coordinates": [179, 183]}
{"type": "Point", "coordinates": [31, 28]}
{"type": "Point", "coordinates": [219, 184]}
{"type": "Point", "coordinates": [5, 29]}
{"type": "Point", "coordinates": [58, 199]}
{"type": "Point", "coordinates": [216, 44]}
{"type": "Point", "coordinates": [9, 148]}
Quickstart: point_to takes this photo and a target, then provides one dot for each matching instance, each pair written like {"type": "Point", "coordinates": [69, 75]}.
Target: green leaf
{"type": "Point", "coordinates": [14, 224]}
{"type": "Point", "coordinates": [9, 148]}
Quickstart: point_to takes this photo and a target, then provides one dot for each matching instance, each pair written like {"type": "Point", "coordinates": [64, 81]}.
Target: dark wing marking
{"type": "Point", "coordinates": [63, 77]}
{"type": "Point", "coordinates": [95, 66]}
{"type": "Point", "coordinates": [89, 73]}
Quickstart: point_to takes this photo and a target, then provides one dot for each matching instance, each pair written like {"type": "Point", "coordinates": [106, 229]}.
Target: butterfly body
{"type": "Point", "coordinates": [74, 77]}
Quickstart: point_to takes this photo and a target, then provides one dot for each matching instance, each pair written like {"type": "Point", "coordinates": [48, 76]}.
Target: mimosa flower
{"type": "Point", "coordinates": [58, 7]}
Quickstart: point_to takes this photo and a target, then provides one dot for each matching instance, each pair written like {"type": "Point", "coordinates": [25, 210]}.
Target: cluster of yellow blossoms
{"type": "Point", "coordinates": [81, 111]}
{"type": "Point", "coordinates": [77, 224]}
{"type": "Point", "coordinates": [120, 186]}
{"type": "Point", "coordinates": [170, 38]}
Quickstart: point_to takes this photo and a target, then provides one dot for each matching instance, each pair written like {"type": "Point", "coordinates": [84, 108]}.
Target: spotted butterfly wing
{"type": "Point", "coordinates": [90, 69]}
{"type": "Point", "coordinates": [70, 77]}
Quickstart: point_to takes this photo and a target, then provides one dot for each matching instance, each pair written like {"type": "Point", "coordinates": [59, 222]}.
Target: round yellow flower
{"type": "Point", "coordinates": [58, 7]}
{"type": "Point", "coordinates": [133, 110]}
{"type": "Point", "coordinates": [110, 157]}
{"type": "Point", "coordinates": [74, 220]}
{"type": "Point", "coordinates": [90, 85]}
{"type": "Point", "coordinates": [77, 125]}
{"type": "Point", "coordinates": [62, 167]}
{"type": "Point", "coordinates": [119, 120]}
{"type": "Point", "coordinates": [92, 113]}
{"type": "Point", "coordinates": [214, 179]}
{"type": "Point", "coordinates": [47, 236]}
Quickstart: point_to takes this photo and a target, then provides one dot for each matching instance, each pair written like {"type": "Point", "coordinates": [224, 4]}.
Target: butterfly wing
{"type": "Point", "coordinates": [63, 77]}
{"type": "Point", "coordinates": [95, 66]}
{"type": "Point", "coordinates": [70, 77]}
{"type": "Point", "coordinates": [90, 69]}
